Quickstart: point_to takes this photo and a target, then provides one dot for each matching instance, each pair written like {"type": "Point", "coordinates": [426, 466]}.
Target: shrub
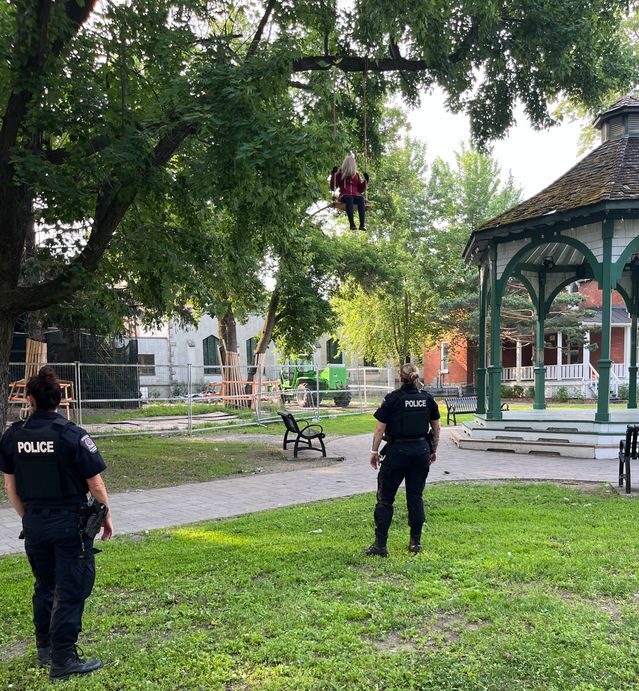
{"type": "Point", "coordinates": [561, 395]}
{"type": "Point", "coordinates": [530, 392]}
{"type": "Point", "coordinates": [505, 391]}
{"type": "Point", "coordinates": [518, 391]}
{"type": "Point", "coordinates": [623, 392]}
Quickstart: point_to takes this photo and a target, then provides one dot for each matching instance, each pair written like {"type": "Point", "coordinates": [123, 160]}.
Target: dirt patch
{"type": "Point", "coordinates": [613, 607]}
{"type": "Point", "coordinates": [392, 643]}
{"type": "Point", "coordinates": [11, 652]}
{"type": "Point", "coordinates": [447, 627]}
{"type": "Point", "coordinates": [605, 604]}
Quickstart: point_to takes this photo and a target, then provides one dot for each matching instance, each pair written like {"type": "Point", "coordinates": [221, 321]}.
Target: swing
{"type": "Point", "coordinates": [335, 203]}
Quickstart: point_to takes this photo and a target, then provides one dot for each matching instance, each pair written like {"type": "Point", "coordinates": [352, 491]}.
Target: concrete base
{"type": "Point", "coordinates": [557, 432]}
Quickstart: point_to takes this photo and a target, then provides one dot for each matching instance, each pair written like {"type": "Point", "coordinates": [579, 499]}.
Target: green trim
{"type": "Point", "coordinates": [494, 369]}
{"type": "Point", "coordinates": [571, 218]}
{"type": "Point", "coordinates": [513, 264]}
{"type": "Point", "coordinates": [556, 292]}
{"type": "Point", "coordinates": [626, 298]}
{"type": "Point", "coordinates": [632, 369]}
{"type": "Point", "coordinates": [605, 363]}
{"type": "Point", "coordinates": [557, 269]}
{"type": "Point", "coordinates": [527, 285]}
{"type": "Point", "coordinates": [539, 368]}
{"type": "Point", "coordinates": [619, 265]}
{"type": "Point", "coordinates": [481, 350]}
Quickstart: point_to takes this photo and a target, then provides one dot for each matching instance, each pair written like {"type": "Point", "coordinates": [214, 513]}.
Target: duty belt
{"type": "Point", "coordinates": [52, 509]}
{"type": "Point", "coordinates": [392, 440]}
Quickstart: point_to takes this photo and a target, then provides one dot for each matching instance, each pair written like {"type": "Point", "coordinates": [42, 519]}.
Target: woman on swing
{"type": "Point", "coordinates": [351, 190]}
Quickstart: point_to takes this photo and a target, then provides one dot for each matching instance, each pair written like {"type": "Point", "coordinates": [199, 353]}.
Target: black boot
{"type": "Point", "coordinates": [43, 655]}
{"type": "Point", "coordinates": [68, 663]}
{"type": "Point", "coordinates": [415, 544]}
{"type": "Point", "coordinates": [378, 548]}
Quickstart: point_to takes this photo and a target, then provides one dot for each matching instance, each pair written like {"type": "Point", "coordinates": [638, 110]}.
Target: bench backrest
{"type": "Point", "coordinates": [466, 404]}
{"type": "Point", "coordinates": [632, 432]}
{"type": "Point", "coordinates": [290, 422]}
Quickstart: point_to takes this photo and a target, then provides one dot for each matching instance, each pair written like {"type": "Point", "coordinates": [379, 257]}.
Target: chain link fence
{"type": "Point", "coordinates": [159, 399]}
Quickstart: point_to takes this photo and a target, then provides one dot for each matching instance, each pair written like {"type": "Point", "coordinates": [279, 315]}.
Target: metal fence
{"type": "Point", "coordinates": [159, 399]}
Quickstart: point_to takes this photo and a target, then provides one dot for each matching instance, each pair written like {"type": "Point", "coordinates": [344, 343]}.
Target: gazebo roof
{"type": "Point", "coordinates": [609, 173]}
{"type": "Point", "coordinates": [625, 103]}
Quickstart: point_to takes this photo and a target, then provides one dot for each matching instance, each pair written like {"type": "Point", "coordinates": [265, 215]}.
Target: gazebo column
{"type": "Point", "coordinates": [605, 363]}
{"type": "Point", "coordinates": [539, 368]}
{"type": "Point", "coordinates": [481, 350]}
{"type": "Point", "coordinates": [494, 369]}
{"type": "Point", "coordinates": [632, 369]}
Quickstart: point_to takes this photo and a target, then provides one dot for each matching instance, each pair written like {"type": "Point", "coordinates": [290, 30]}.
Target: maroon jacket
{"type": "Point", "coordinates": [348, 186]}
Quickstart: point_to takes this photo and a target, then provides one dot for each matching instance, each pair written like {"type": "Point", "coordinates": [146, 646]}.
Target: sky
{"type": "Point", "coordinates": [536, 158]}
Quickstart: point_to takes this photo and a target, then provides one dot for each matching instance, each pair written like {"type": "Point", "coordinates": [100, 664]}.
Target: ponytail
{"type": "Point", "coordinates": [408, 374]}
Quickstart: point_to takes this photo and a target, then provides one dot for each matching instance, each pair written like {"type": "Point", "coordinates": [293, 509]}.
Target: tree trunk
{"type": "Point", "coordinates": [227, 333]}
{"type": "Point", "coordinates": [267, 331]}
{"type": "Point", "coordinates": [7, 324]}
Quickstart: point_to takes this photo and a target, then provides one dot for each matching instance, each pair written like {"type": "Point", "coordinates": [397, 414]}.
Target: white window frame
{"type": "Point", "coordinates": [443, 357]}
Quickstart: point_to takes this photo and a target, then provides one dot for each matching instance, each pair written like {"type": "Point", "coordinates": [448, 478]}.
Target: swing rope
{"type": "Point", "coordinates": [365, 121]}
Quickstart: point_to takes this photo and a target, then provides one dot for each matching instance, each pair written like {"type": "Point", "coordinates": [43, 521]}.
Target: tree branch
{"type": "Point", "coordinates": [260, 29]}
{"type": "Point", "coordinates": [354, 63]}
{"type": "Point", "coordinates": [111, 205]}
{"type": "Point", "coordinates": [58, 156]}
{"type": "Point", "coordinates": [299, 85]}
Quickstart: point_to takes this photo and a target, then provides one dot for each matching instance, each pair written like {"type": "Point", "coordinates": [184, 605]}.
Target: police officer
{"type": "Point", "coordinates": [49, 465]}
{"type": "Point", "coordinates": [408, 420]}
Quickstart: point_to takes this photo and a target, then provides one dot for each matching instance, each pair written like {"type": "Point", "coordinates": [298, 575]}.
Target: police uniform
{"type": "Point", "coordinates": [51, 459]}
{"type": "Point", "coordinates": [407, 413]}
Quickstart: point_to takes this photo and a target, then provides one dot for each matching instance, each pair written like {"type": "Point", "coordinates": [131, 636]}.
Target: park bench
{"type": "Point", "coordinates": [463, 404]}
{"type": "Point", "coordinates": [303, 435]}
{"type": "Point", "coordinates": [627, 451]}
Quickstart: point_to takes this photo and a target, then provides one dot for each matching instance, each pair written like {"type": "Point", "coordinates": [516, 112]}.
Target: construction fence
{"type": "Point", "coordinates": [122, 399]}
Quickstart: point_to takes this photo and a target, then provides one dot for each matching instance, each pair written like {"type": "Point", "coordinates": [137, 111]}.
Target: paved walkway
{"type": "Point", "coordinates": [161, 508]}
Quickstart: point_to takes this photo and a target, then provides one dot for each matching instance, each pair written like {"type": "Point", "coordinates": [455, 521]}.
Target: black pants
{"type": "Point", "coordinates": [349, 201]}
{"type": "Point", "coordinates": [63, 564]}
{"type": "Point", "coordinates": [408, 461]}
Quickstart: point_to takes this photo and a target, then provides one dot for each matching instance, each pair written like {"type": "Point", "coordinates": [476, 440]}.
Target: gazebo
{"type": "Point", "coordinates": [584, 225]}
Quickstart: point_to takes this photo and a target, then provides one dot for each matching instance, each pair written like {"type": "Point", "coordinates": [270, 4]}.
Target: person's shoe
{"type": "Point", "coordinates": [363, 228]}
{"type": "Point", "coordinates": [376, 550]}
{"type": "Point", "coordinates": [72, 665]}
{"type": "Point", "coordinates": [353, 227]}
{"type": "Point", "coordinates": [43, 656]}
{"type": "Point", "coordinates": [414, 545]}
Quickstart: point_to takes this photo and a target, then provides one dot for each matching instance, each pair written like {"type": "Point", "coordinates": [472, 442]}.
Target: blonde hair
{"type": "Point", "coordinates": [408, 374]}
{"type": "Point", "coordinates": [349, 167]}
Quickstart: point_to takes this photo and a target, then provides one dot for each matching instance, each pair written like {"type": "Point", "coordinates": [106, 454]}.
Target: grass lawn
{"type": "Point", "coordinates": [344, 425]}
{"type": "Point", "coordinates": [148, 462]}
{"type": "Point", "coordinates": [530, 587]}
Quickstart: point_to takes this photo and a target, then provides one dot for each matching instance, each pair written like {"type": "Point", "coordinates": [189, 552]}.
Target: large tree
{"type": "Point", "coordinates": [97, 98]}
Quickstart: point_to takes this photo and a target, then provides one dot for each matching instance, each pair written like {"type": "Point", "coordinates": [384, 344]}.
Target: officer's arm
{"type": "Point", "coordinates": [99, 491]}
{"type": "Point", "coordinates": [10, 487]}
{"type": "Point", "coordinates": [377, 440]}
{"type": "Point", "coordinates": [436, 427]}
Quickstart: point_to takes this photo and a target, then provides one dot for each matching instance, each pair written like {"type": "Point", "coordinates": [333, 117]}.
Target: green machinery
{"type": "Point", "coordinates": [303, 382]}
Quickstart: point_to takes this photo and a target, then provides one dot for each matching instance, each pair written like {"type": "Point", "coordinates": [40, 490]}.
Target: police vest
{"type": "Point", "coordinates": [411, 418]}
{"type": "Point", "coordinates": [42, 466]}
